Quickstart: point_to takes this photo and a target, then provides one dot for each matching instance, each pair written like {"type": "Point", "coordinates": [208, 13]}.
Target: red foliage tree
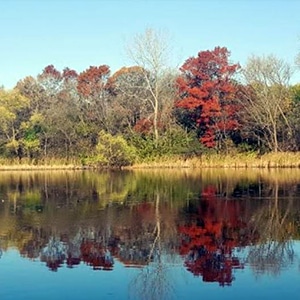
{"type": "Point", "coordinates": [50, 71]}
{"type": "Point", "coordinates": [50, 80]}
{"type": "Point", "coordinates": [93, 80]}
{"type": "Point", "coordinates": [93, 89]}
{"type": "Point", "coordinates": [206, 89]}
{"type": "Point", "coordinates": [69, 74]}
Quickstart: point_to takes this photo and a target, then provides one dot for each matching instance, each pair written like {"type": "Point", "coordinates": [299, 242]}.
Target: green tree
{"type": "Point", "coordinates": [55, 101]}
{"type": "Point", "coordinates": [12, 111]}
{"type": "Point", "coordinates": [294, 118]}
{"type": "Point", "coordinates": [31, 135]}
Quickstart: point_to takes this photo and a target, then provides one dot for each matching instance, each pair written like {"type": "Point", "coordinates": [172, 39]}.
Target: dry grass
{"type": "Point", "coordinates": [271, 160]}
{"type": "Point", "coordinates": [246, 160]}
{"type": "Point", "coordinates": [49, 164]}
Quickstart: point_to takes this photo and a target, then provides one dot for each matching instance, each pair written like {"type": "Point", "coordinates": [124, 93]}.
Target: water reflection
{"type": "Point", "coordinates": [212, 223]}
{"type": "Point", "coordinates": [214, 230]}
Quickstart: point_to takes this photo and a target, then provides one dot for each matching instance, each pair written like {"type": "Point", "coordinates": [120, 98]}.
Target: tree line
{"type": "Point", "coordinates": [148, 109]}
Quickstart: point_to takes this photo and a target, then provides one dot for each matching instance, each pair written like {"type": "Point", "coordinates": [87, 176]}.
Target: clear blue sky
{"type": "Point", "coordinates": [81, 33]}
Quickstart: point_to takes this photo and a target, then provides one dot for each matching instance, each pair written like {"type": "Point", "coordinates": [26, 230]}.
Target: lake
{"type": "Point", "coordinates": [150, 234]}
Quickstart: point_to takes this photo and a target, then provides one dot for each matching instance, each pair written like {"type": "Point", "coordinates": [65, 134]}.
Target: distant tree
{"type": "Point", "coordinates": [12, 112]}
{"type": "Point", "coordinates": [207, 90]}
{"type": "Point", "coordinates": [127, 87]}
{"type": "Point", "coordinates": [93, 89]}
{"type": "Point", "coordinates": [51, 80]}
{"type": "Point", "coordinates": [266, 100]}
{"type": "Point", "coordinates": [150, 51]}
{"type": "Point", "coordinates": [293, 117]}
{"type": "Point", "coordinates": [55, 120]}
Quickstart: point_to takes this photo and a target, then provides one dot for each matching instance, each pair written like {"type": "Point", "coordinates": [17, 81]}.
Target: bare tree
{"type": "Point", "coordinates": [266, 98]}
{"type": "Point", "coordinates": [151, 52]}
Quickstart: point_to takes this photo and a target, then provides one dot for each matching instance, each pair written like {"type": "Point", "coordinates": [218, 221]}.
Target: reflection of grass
{"type": "Point", "coordinates": [219, 175]}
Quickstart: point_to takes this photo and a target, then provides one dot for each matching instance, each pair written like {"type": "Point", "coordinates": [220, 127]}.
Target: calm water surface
{"type": "Point", "coordinates": [219, 234]}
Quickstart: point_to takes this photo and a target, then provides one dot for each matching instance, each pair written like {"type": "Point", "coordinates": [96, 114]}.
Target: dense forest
{"type": "Point", "coordinates": [149, 110]}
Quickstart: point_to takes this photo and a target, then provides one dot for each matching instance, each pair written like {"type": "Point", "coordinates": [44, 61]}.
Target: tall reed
{"type": "Point", "coordinates": [244, 160]}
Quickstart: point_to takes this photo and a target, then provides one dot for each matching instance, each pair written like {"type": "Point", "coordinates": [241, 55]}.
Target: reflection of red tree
{"type": "Point", "coordinates": [209, 240]}
{"type": "Point", "coordinates": [145, 212]}
{"type": "Point", "coordinates": [95, 255]}
{"type": "Point", "coordinates": [53, 265]}
{"type": "Point", "coordinates": [73, 261]}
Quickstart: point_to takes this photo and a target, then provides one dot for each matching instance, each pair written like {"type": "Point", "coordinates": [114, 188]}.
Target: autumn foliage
{"type": "Point", "coordinates": [209, 240]}
{"type": "Point", "coordinates": [155, 109]}
{"type": "Point", "coordinates": [97, 256]}
{"type": "Point", "coordinates": [93, 80]}
{"type": "Point", "coordinates": [206, 89]}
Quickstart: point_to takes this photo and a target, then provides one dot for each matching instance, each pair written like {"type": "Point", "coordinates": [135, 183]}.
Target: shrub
{"type": "Point", "coordinates": [113, 151]}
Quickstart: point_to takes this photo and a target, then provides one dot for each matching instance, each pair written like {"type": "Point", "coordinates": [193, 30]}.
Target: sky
{"type": "Point", "coordinates": [83, 33]}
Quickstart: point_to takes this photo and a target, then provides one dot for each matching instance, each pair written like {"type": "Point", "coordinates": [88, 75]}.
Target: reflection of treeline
{"type": "Point", "coordinates": [71, 187]}
{"type": "Point", "coordinates": [218, 226]}
{"type": "Point", "coordinates": [67, 218]}
{"type": "Point", "coordinates": [206, 234]}
{"type": "Point", "coordinates": [125, 234]}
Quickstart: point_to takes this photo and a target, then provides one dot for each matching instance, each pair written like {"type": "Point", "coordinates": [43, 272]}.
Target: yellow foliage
{"type": "Point", "coordinates": [13, 100]}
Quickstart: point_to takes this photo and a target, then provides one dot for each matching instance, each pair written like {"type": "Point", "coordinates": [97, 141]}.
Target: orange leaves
{"type": "Point", "coordinates": [127, 80]}
{"type": "Point", "coordinates": [92, 80]}
{"type": "Point", "coordinates": [143, 126]}
{"type": "Point", "coordinates": [126, 71]}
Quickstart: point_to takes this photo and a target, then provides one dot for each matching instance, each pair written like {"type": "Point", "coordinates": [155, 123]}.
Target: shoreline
{"type": "Point", "coordinates": [232, 161]}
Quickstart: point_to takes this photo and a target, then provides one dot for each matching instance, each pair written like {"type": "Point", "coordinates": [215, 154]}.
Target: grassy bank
{"type": "Point", "coordinates": [49, 164]}
{"type": "Point", "coordinates": [245, 160]}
